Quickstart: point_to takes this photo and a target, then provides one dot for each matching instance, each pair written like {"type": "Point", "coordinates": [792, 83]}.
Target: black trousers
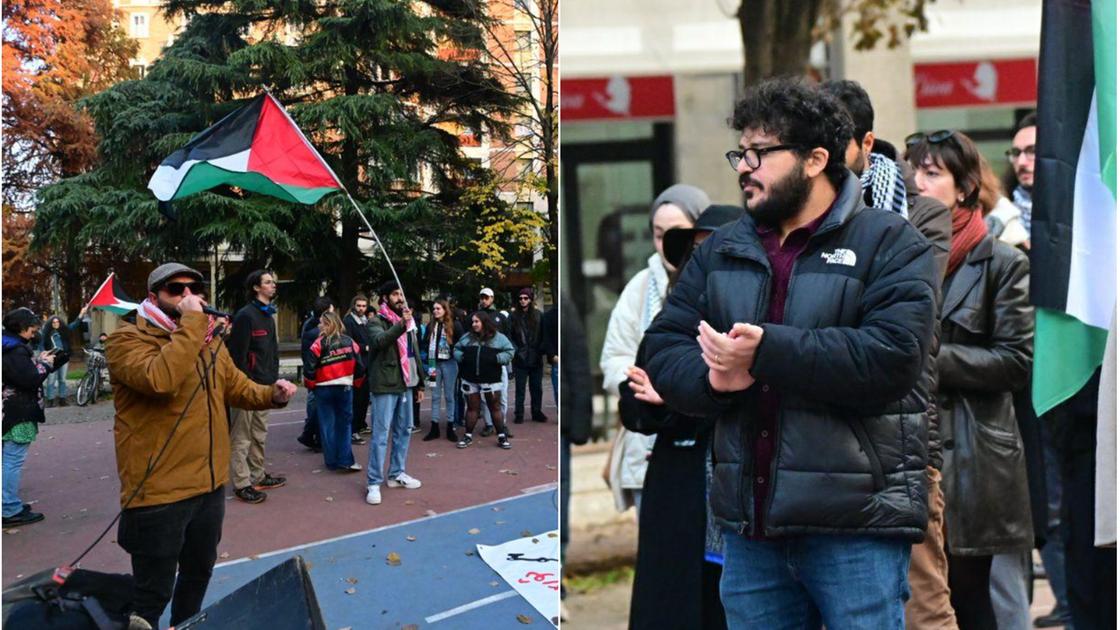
{"type": "Point", "coordinates": [161, 539]}
{"type": "Point", "coordinates": [970, 594]}
{"type": "Point", "coordinates": [1090, 570]}
{"type": "Point", "coordinates": [534, 376]}
{"type": "Point", "coordinates": [361, 406]}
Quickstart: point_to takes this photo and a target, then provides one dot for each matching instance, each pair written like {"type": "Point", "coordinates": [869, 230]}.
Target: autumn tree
{"type": "Point", "coordinates": [778, 34]}
{"type": "Point", "coordinates": [371, 85]}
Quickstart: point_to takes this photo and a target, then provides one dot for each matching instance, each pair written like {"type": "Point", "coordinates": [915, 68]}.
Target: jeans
{"type": "Point", "coordinates": [805, 581]}
{"type": "Point", "coordinates": [161, 538]}
{"type": "Point", "coordinates": [448, 372]}
{"type": "Point", "coordinates": [391, 412]}
{"type": "Point", "coordinates": [1009, 581]}
{"type": "Point", "coordinates": [533, 375]}
{"type": "Point", "coordinates": [505, 400]}
{"type": "Point", "coordinates": [311, 423]}
{"type": "Point", "coordinates": [55, 385]}
{"type": "Point", "coordinates": [14, 456]}
{"type": "Point", "coordinates": [334, 404]}
{"type": "Point", "coordinates": [556, 384]}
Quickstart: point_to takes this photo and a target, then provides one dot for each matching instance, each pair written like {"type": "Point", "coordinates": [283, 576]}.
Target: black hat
{"type": "Point", "coordinates": [387, 287]}
{"type": "Point", "coordinates": [20, 320]}
{"type": "Point", "coordinates": [678, 241]}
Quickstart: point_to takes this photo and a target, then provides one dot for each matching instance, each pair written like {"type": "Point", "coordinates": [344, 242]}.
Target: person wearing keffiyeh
{"type": "Point", "coordinates": [395, 374]}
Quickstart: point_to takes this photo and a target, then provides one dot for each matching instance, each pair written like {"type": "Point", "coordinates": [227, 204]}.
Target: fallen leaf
{"type": "Point", "coordinates": [254, 557]}
{"type": "Point", "coordinates": [469, 553]}
{"type": "Point", "coordinates": [410, 626]}
{"type": "Point", "coordinates": [351, 591]}
{"type": "Point", "coordinates": [550, 466]}
{"type": "Point", "coordinates": [526, 533]}
{"type": "Point", "coordinates": [535, 541]}
{"type": "Point", "coordinates": [552, 534]}
{"type": "Point", "coordinates": [507, 471]}
{"type": "Point", "coordinates": [393, 559]}
{"type": "Point", "coordinates": [103, 477]}
{"type": "Point", "coordinates": [316, 471]}
{"type": "Point", "coordinates": [11, 531]}
{"type": "Point", "coordinates": [474, 530]}
{"type": "Point", "coordinates": [410, 538]}
{"type": "Point", "coordinates": [329, 499]}
{"type": "Point", "coordinates": [409, 502]}
{"type": "Point", "coordinates": [524, 619]}
{"type": "Point", "coordinates": [556, 621]}
{"type": "Point", "coordinates": [496, 509]}
{"type": "Point", "coordinates": [429, 512]}
{"type": "Point", "coordinates": [500, 522]}
{"type": "Point", "coordinates": [223, 555]}
{"type": "Point", "coordinates": [432, 454]}
{"type": "Point", "coordinates": [84, 510]}
{"type": "Point", "coordinates": [494, 583]}
{"type": "Point", "coordinates": [347, 628]}
{"type": "Point", "coordinates": [351, 580]}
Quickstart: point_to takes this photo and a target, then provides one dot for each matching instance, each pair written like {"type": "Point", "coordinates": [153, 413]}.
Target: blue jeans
{"type": "Point", "coordinates": [806, 581]}
{"type": "Point", "coordinates": [55, 385]}
{"type": "Point", "coordinates": [445, 390]}
{"type": "Point", "coordinates": [556, 384]}
{"type": "Point", "coordinates": [391, 412]}
{"type": "Point", "coordinates": [334, 406]}
{"type": "Point", "coordinates": [14, 456]}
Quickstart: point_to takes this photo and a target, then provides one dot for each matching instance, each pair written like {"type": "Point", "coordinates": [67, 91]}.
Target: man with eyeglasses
{"type": "Point", "coordinates": [172, 380]}
{"type": "Point", "coordinates": [802, 330]}
{"type": "Point", "coordinates": [1019, 178]}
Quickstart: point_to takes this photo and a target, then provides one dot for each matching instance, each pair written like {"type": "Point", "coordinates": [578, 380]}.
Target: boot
{"type": "Point", "coordinates": [433, 432]}
{"type": "Point", "coordinates": [62, 402]}
{"type": "Point", "coordinates": [451, 434]}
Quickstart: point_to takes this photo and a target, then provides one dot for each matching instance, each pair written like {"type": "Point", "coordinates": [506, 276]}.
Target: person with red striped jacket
{"type": "Point", "coordinates": [333, 368]}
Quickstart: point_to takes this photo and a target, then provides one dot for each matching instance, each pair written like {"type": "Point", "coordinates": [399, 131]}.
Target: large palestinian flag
{"type": "Point", "coordinates": [257, 148]}
{"type": "Point", "coordinates": [110, 297]}
{"type": "Point", "coordinates": [1073, 227]}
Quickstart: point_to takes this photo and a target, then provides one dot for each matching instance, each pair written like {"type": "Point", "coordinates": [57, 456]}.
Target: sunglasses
{"type": "Point", "coordinates": [525, 298]}
{"type": "Point", "coordinates": [177, 288]}
{"type": "Point", "coordinates": [932, 138]}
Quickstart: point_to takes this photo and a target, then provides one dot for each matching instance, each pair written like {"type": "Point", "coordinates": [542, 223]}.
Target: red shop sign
{"type": "Point", "coordinates": [616, 97]}
{"type": "Point", "coordinates": [1002, 82]}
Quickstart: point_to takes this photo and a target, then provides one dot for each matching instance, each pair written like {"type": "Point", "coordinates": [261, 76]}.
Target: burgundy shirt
{"type": "Point", "coordinates": [781, 256]}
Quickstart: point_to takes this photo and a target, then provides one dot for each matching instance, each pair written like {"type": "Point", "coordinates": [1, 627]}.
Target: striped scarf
{"type": "Point", "coordinates": [1022, 199]}
{"type": "Point", "coordinates": [151, 311]}
{"type": "Point", "coordinates": [402, 341]}
{"type": "Point", "coordinates": [888, 188]}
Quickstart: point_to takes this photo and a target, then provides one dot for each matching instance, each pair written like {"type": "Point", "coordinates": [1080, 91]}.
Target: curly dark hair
{"type": "Point", "coordinates": [798, 113]}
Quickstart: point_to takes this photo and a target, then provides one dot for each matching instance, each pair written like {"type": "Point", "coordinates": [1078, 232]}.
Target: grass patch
{"type": "Point", "coordinates": [75, 375]}
{"type": "Point", "coordinates": [602, 579]}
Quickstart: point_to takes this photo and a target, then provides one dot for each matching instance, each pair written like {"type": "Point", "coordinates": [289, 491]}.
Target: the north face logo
{"type": "Point", "coordinates": [840, 257]}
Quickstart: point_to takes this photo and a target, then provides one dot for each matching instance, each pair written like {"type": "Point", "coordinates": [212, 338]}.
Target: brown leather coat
{"type": "Point", "coordinates": [154, 374]}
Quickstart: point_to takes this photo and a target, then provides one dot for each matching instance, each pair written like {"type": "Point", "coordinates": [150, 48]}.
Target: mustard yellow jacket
{"type": "Point", "coordinates": [154, 373]}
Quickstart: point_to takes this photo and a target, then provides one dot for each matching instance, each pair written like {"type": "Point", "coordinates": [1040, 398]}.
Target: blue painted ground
{"type": "Point", "coordinates": [436, 573]}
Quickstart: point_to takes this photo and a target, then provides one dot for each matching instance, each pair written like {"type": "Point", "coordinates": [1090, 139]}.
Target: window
{"type": "Point", "coordinates": [139, 70]}
{"type": "Point", "coordinates": [524, 41]}
{"type": "Point", "coordinates": [139, 25]}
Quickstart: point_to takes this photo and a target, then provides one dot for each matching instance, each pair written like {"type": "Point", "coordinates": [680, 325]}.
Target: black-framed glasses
{"type": "Point", "coordinates": [177, 288]}
{"type": "Point", "coordinates": [752, 156]}
{"type": "Point", "coordinates": [1014, 152]}
{"type": "Point", "coordinates": [932, 138]}
{"type": "Point", "coordinates": [525, 298]}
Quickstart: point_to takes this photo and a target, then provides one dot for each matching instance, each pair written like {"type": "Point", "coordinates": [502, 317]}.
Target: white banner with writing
{"type": "Point", "coordinates": [531, 565]}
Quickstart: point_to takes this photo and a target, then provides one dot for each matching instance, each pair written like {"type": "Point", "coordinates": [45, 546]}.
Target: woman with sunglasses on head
{"type": "Point", "coordinates": [334, 368]}
{"type": "Point", "coordinates": [987, 330]}
{"type": "Point", "coordinates": [482, 355]}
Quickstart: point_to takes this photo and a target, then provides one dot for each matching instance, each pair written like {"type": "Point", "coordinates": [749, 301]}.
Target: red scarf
{"type": "Point", "coordinates": [151, 311]}
{"type": "Point", "coordinates": [968, 231]}
{"type": "Point", "coordinates": [402, 341]}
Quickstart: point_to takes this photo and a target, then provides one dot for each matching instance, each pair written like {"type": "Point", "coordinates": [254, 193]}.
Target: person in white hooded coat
{"type": "Point", "coordinates": [677, 207]}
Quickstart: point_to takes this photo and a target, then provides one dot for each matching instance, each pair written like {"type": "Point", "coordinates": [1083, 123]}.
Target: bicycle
{"type": "Point", "coordinates": [90, 385]}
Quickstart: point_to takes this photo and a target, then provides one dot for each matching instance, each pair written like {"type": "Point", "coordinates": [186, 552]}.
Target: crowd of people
{"type": "Point", "coordinates": [825, 400]}
{"type": "Point", "coordinates": [176, 370]}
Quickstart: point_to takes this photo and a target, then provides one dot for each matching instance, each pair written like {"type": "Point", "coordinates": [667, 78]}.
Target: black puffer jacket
{"type": "Point", "coordinates": [23, 378]}
{"type": "Point", "coordinates": [851, 440]}
{"type": "Point", "coordinates": [987, 334]}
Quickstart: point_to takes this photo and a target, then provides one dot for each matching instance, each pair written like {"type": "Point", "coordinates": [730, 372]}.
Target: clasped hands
{"type": "Point", "coordinates": [729, 356]}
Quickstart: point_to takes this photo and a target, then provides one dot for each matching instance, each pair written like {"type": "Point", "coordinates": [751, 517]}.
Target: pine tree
{"type": "Point", "coordinates": [382, 88]}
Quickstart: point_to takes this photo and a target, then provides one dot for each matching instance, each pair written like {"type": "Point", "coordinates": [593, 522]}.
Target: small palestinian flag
{"type": "Point", "coordinates": [1073, 223]}
{"type": "Point", "coordinates": [257, 148]}
{"type": "Point", "coordinates": [111, 297]}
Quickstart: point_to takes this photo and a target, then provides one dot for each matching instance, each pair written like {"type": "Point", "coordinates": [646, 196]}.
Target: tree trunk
{"type": "Point", "coordinates": [351, 255]}
{"type": "Point", "coordinates": [777, 37]}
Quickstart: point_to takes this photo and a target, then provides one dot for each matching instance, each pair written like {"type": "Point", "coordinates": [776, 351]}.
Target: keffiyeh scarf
{"type": "Point", "coordinates": [402, 341]}
{"type": "Point", "coordinates": [888, 188]}
{"type": "Point", "coordinates": [151, 311]}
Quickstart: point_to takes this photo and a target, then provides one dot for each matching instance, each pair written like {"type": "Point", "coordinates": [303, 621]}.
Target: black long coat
{"type": "Point", "coordinates": [987, 334]}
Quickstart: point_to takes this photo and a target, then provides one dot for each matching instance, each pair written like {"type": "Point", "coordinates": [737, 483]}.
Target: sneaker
{"type": "Point", "coordinates": [23, 517]}
{"type": "Point", "coordinates": [315, 448]}
{"type": "Point", "coordinates": [373, 495]}
{"type": "Point", "coordinates": [1055, 618]}
{"type": "Point", "coordinates": [415, 428]}
{"type": "Point", "coordinates": [366, 431]}
{"type": "Point", "coordinates": [268, 482]}
{"type": "Point", "coordinates": [503, 442]}
{"type": "Point", "coordinates": [404, 481]}
{"type": "Point", "coordinates": [465, 442]}
{"type": "Point", "coordinates": [352, 468]}
{"type": "Point", "coordinates": [540, 418]}
{"type": "Point", "coordinates": [249, 495]}
{"type": "Point", "coordinates": [487, 432]}
{"type": "Point", "coordinates": [356, 439]}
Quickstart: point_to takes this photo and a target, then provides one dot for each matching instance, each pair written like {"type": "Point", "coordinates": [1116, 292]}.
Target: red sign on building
{"type": "Point", "coordinates": [1001, 82]}
{"type": "Point", "coordinates": [616, 97]}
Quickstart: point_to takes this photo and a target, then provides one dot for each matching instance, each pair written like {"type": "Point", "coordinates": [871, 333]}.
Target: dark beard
{"type": "Point", "coordinates": [785, 199]}
{"type": "Point", "coordinates": [168, 310]}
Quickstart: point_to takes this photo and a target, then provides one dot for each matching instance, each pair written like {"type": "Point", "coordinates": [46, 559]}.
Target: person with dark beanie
{"type": "Point", "coordinates": [24, 373]}
{"type": "Point", "coordinates": [525, 333]}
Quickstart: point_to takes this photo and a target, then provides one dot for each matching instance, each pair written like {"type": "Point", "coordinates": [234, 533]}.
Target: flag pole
{"type": "Point", "coordinates": [361, 215]}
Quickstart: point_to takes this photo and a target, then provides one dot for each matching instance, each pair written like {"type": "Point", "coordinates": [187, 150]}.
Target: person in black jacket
{"type": "Point", "coordinates": [483, 355]}
{"type": "Point", "coordinates": [357, 327]}
{"type": "Point", "coordinates": [575, 407]}
{"type": "Point", "coordinates": [987, 331]}
{"type": "Point", "coordinates": [23, 377]}
{"type": "Point", "coordinates": [815, 315]}
{"type": "Point", "coordinates": [255, 350]}
{"type": "Point", "coordinates": [525, 333]}
{"type": "Point", "coordinates": [550, 347]}
{"type": "Point", "coordinates": [309, 332]}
